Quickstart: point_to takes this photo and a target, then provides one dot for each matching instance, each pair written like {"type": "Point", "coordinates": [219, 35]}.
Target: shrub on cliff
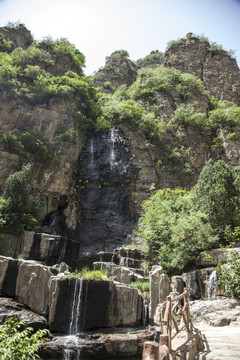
{"type": "Point", "coordinates": [19, 208]}
{"type": "Point", "coordinates": [173, 230]}
{"type": "Point", "coordinates": [217, 195]}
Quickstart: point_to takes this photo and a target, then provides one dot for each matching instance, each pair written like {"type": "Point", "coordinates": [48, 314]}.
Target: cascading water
{"type": "Point", "coordinates": [103, 192]}
{"type": "Point", "coordinates": [75, 321]}
{"type": "Point", "coordinates": [71, 350]}
{"type": "Point", "coordinates": [145, 313]}
{"type": "Point", "coordinates": [91, 163]}
{"type": "Point", "coordinates": [115, 160]}
{"type": "Point", "coordinates": [212, 285]}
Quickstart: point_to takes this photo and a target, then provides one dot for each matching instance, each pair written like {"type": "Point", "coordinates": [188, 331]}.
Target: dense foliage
{"type": "Point", "coordinates": [178, 224]}
{"type": "Point", "coordinates": [229, 274]}
{"type": "Point", "coordinates": [18, 207]}
{"type": "Point", "coordinates": [30, 75]}
{"type": "Point", "coordinates": [20, 343]}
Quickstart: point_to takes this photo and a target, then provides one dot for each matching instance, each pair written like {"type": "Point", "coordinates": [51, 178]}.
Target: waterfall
{"type": "Point", "coordinates": [212, 285]}
{"type": "Point", "coordinates": [75, 320]}
{"type": "Point", "coordinates": [112, 154]}
{"type": "Point", "coordinates": [91, 162]}
{"type": "Point", "coordinates": [76, 324]}
{"type": "Point", "coordinates": [70, 347]}
{"type": "Point", "coordinates": [115, 160]}
{"type": "Point", "coordinates": [103, 187]}
{"type": "Point", "coordinates": [145, 313]}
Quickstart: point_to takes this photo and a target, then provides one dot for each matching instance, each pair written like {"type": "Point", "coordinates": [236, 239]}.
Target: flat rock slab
{"type": "Point", "coordinates": [221, 343]}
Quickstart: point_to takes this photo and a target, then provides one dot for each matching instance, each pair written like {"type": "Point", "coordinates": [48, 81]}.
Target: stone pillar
{"type": "Point", "coordinates": [150, 350]}
{"type": "Point", "coordinates": [159, 289]}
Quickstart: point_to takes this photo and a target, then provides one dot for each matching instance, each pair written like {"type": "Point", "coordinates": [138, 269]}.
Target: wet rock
{"type": "Point", "coordinates": [86, 300]}
{"type": "Point", "coordinates": [32, 286]}
{"type": "Point", "coordinates": [96, 304]}
{"type": "Point", "coordinates": [107, 344]}
{"type": "Point", "coordinates": [103, 192]}
{"type": "Point", "coordinates": [8, 276]}
{"type": "Point", "coordinates": [61, 293]}
{"type": "Point", "coordinates": [203, 284]}
{"type": "Point", "coordinates": [10, 308]}
{"type": "Point", "coordinates": [193, 284]}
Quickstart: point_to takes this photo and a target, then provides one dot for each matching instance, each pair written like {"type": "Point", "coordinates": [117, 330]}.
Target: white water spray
{"type": "Point", "coordinates": [76, 307]}
{"type": "Point", "coordinates": [212, 285]}
{"type": "Point", "coordinates": [91, 163]}
{"type": "Point", "coordinates": [75, 323]}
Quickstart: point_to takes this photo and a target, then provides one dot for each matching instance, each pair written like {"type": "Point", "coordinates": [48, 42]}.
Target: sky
{"type": "Point", "coordinates": [99, 27]}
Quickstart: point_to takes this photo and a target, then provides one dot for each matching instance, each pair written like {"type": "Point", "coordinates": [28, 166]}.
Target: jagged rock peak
{"type": "Point", "coordinates": [207, 61]}
{"type": "Point", "coordinates": [17, 35]}
{"type": "Point", "coordinates": [118, 70]}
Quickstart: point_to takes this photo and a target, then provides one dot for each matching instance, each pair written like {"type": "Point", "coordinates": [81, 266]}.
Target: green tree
{"type": "Point", "coordinates": [17, 344]}
{"type": "Point", "coordinates": [229, 274]}
{"type": "Point", "coordinates": [173, 230]}
{"type": "Point", "coordinates": [216, 195]}
{"type": "Point", "coordinates": [20, 208]}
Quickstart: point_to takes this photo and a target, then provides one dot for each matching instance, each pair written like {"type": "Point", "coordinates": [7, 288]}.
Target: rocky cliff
{"type": "Point", "coordinates": [91, 179]}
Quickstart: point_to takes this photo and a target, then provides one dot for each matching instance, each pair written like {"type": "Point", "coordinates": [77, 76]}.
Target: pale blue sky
{"type": "Point", "coordinates": [99, 27]}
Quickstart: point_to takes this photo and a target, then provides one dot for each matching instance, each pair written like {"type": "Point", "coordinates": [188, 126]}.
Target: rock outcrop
{"type": "Point", "coordinates": [19, 37]}
{"type": "Point", "coordinates": [118, 70]}
{"type": "Point", "coordinates": [218, 71]}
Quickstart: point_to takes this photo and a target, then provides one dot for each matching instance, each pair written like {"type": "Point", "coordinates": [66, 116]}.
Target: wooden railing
{"type": "Point", "coordinates": [176, 318]}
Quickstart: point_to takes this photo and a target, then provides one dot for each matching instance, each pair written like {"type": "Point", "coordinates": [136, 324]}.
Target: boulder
{"type": "Point", "coordinates": [217, 312]}
{"type": "Point", "coordinates": [192, 282]}
{"type": "Point", "coordinates": [12, 309]}
{"type": "Point", "coordinates": [8, 276]}
{"type": "Point", "coordinates": [32, 287]}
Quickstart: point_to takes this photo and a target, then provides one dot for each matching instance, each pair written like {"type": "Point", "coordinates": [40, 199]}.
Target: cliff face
{"type": "Point", "coordinates": [218, 71]}
{"type": "Point", "coordinates": [93, 182]}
